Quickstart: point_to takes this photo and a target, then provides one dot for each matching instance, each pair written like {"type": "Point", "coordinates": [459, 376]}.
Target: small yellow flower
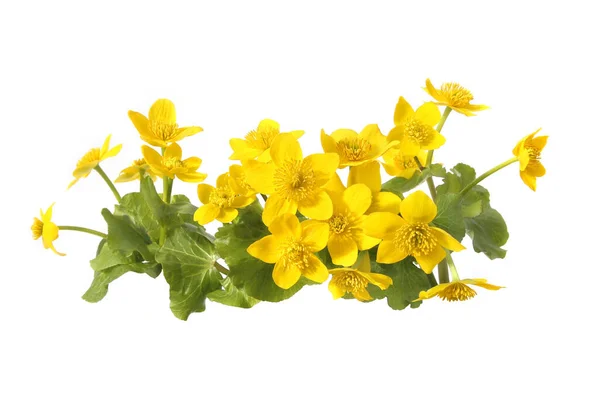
{"type": "Point", "coordinates": [398, 163]}
{"type": "Point", "coordinates": [257, 144]}
{"type": "Point", "coordinates": [355, 280]}
{"type": "Point", "coordinates": [92, 158]}
{"type": "Point", "coordinates": [293, 183]}
{"type": "Point", "coordinates": [171, 165]}
{"type": "Point", "coordinates": [220, 203]}
{"type": "Point", "coordinates": [354, 148]}
{"type": "Point", "coordinates": [291, 248]}
{"type": "Point", "coordinates": [411, 234]}
{"type": "Point", "coordinates": [160, 128]}
{"type": "Point", "coordinates": [46, 229]}
{"type": "Point", "coordinates": [529, 151]}
{"type": "Point", "coordinates": [457, 290]}
{"type": "Point", "coordinates": [238, 183]}
{"type": "Point", "coordinates": [454, 96]}
{"type": "Point", "coordinates": [346, 235]}
{"type": "Point", "coordinates": [137, 170]}
{"type": "Point", "coordinates": [370, 175]}
{"type": "Point", "coordinates": [415, 129]}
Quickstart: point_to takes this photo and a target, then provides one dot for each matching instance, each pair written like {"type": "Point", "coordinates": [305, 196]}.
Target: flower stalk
{"type": "Point", "coordinates": [112, 187]}
{"type": "Point", "coordinates": [82, 229]}
{"type": "Point", "coordinates": [486, 174]}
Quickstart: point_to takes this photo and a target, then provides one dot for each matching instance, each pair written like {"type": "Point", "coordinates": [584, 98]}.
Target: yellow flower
{"type": "Point", "coordinates": [457, 290]}
{"type": "Point", "coordinates": [346, 235]}
{"type": "Point", "coordinates": [415, 129]}
{"type": "Point", "coordinates": [411, 235]}
{"type": "Point", "coordinates": [92, 158]}
{"type": "Point", "coordinates": [237, 181]}
{"type": "Point", "coordinates": [293, 183]}
{"type": "Point", "coordinates": [291, 248]}
{"type": "Point", "coordinates": [354, 148]}
{"type": "Point", "coordinates": [138, 169]}
{"type": "Point", "coordinates": [454, 96]}
{"type": "Point", "coordinates": [398, 163]}
{"type": "Point", "coordinates": [46, 229]}
{"type": "Point", "coordinates": [160, 128]}
{"type": "Point", "coordinates": [529, 150]}
{"type": "Point", "coordinates": [257, 143]}
{"type": "Point", "coordinates": [220, 203]}
{"type": "Point", "coordinates": [370, 175]}
{"type": "Point", "coordinates": [355, 280]}
{"type": "Point", "coordinates": [171, 165]}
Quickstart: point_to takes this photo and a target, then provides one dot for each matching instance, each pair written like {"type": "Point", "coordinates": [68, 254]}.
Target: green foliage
{"type": "Point", "coordinates": [232, 296]}
{"type": "Point", "coordinates": [488, 231]}
{"type": "Point", "coordinates": [125, 236]}
{"type": "Point", "coordinates": [449, 217]}
{"type": "Point", "coordinates": [400, 185]}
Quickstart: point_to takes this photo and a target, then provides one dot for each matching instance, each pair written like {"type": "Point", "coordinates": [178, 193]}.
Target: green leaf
{"type": "Point", "coordinates": [449, 216]}
{"type": "Point", "coordinates": [437, 170]}
{"type": "Point", "coordinates": [400, 185]}
{"type": "Point", "coordinates": [408, 281]}
{"type": "Point", "coordinates": [455, 180]}
{"type": "Point", "coordinates": [246, 272]}
{"type": "Point", "coordinates": [488, 231]}
{"type": "Point", "coordinates": [232, 296]}
{"type": "Point", "coordinates": [134, 206]}
{"type": "Point", "coordinates": [125, 236]}
{"type": "Point", "coordinates": [108, 257]}
{"type": "Point", "coordinates": [187, 260]}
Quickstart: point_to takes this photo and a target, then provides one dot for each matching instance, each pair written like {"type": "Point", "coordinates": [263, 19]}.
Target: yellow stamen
{"type": "Point", "coordinates": [295, 180]}
{"type": "Point", "coordinates": [172, 163]}
{"type": "Point", "coordinates": [405, 162]}
{"type": "Point", "coordinates": [163, 130]}
{"type": "Point", "coordinates": [416, 239]}
{"type": "Point", "coordinates": [295, 255]}
{"type": "Point", "coordinates": [37, 228]}
{"type": "Point", "coordinates": [418, 132]}
{"type": "Point", "coordinates": [222, 196]}
{"type": "Point", "coordinates": [457, 95]}
{"type": "Point", "coordinates": [457, 291]}
{"type": "Point", "coordinates": [261, 139]}
{"type": "Point", "coordinates": [338, 223]}
{"type": "Point", "coordinates": [534, 153]}
{"type": "Point", "coordinates": [90, 157]}
{"type": "Point", "coordinates": [355, 149]}
{"type": "Point", "coordinates": [349, 281]}
{"type": "Point", "coordinates": [139, 162]}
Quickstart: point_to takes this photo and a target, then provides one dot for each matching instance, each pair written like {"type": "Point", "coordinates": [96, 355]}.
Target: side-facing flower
{"type": "Point", "coordinates": [220, 203]}
{"type": "Point", "coordinates": [257, 143]}
{"type": "Point", "coordinates": [92, 158]}
{"type": "Point", "coordinates": [355, 280]}
{"type": "Point", "coordinates": [238, 182]}
{"type": "Point", "coordinates": [291, 247]}
{"type": "Point", "coordinates": [370, 175]}
{"type": "Point", "coordinates": [160, 128]}
{"type": "Point", "coordinates": [354, 148]}
{"type": "Point", "coordinates": [139, 168]}
{"type": "Point", "coordinates": [456, 290]}
{"type": "Point", "coordinates": [415, 129]}
{"type": "Point", "coordinates": [46, 229]}
{"type": "Point", "coordinates": [528, 151]}
{"type": "Point", "coordinates": [454, 96]}
{"type": "Point", "coordinates": [171, 165]}
{"type": "Point", "coordinates": [346, 234]}
{"type": "Point", "coordinates": [294, 183]}
{"type": "Point", "coordinates": [398, 163]}
{"type": "Point", "coordinates": [411, 234]}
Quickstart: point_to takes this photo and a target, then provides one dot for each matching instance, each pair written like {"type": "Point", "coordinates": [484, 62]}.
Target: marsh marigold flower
{"type": "Point", "coordinates": [355, 280]}
{"type": "Point", "coordinates": [529, 151]}
{"type": "Point", "coordinates": [457, 290]}
{"type": "Point", "coordinates": [354, 148]}
{"type": "Point", "coordinates": [257, 143]}
{"type": "Point", "coordinates": [415, 129]}
{"type": "Point", "coordinates": [370, 175]}
{"type": "Point", "coordinates": [220, 203]}
{"type": "Point", "coordinates": [291, 248]}
{"type": "Point", "coordinates": [293, 183]}
{"type": "Point", "coordinates": [46, 229]}
{"type": "Point", "coordinates": [411, 234]}
{"type": "Point", "coordinates": [137, 170]}
{"type": "Point", "coordinates": [171, 165]}
{"type": "Point", "coordinates": [92, 158]}
{"type": "Point", "coordinates": [398, 163]}
{"type": "Point", "coordinates": [160, 128]}
{"type": "Point", "coordinates": [454, 96]}
{"type": "Point", "coordinates": [238, 182]}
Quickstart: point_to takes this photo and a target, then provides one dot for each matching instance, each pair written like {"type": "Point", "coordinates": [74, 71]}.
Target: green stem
{"type": "Point", "coordinates": [453, 270]}
{"type": "Point", "coordinates": [443, 271]}
{"type": "Point", "coordinates": [108, 182]}
{"type": "Point", "coordinates": [167, 188]}
{"type": "Point", "coordinates": [81, 229]}
{"type": "Point", "coordinates": [439, 129]}
{"type": "Point", "coordinates": [486, 174]}
{"type": "Point", "coordinates": [221, 268]}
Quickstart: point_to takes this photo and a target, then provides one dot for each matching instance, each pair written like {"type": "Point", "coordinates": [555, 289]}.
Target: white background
{"type": "Point", "coordinates": [69, 71]}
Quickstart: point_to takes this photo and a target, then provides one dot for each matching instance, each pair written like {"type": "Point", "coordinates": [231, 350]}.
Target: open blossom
{"type": "Point", "coordinates": [171, 165]}
{"type": "Point", "coordinates": [353, 148]}
{"type": "Point", "coordinates": [370, 175]}
{"type": "Point", "coordinates": [456, 290]}
{"type": "Point", "coordinates": [355, 280]}
{"type": "Point", "coordinates": [220, 202]}
{"type": "Point", "coordinates": [92, 158]}
{"type": "Point", "coordinates": [529, 152]}
{"type": "Point", "coordinates": [415, 129]}
{"type": "Point", "coordinates": [454, 96]}
{"type": "Point", "coordinates": [46, 229]}
{"type": "Point", "coordinates": [256, 145]}
{"type": "Point", "coordinates": [136, 171]}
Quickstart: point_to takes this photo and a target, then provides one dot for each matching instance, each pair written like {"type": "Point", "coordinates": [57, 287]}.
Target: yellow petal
{"type": "Point", "coordinates": [268, 125]}
{"type": "Point", "coordinates": [265, 156]}
{"type": "Point", "coordinates": [476, 107]}
{"type": "Point", "coordinates": [387, 253]}
{"type": "Point", "coordinates": [128, 174]}
{"type": "Point", "coordinates": [334, 185]}
{"type": "Point", "coordinates": [173, 151]}
{"type": "Point", "coordinates": [380, 280]}
{"type": "Point", "coordinates": [396, 134]}
{"type": "Point", "coordinates": [328, 143]}
{"type": "Point", "coordinates": [368, 173]}
{"type": "Point", "coordinates": [140, 122]}
{"type": "Point", "coordinates": [277, 205]}
{"type": "Point", "coordinates": [482, 283]}
{"type": "Point", "coordinates": [429, 261]}
{"type": "Point", "coordinates": [316, 271]}
{"type": "Point", "coordinates": [362, 294]}
{"type": "Point", "coordinates": [296, 134]}
{"type": "Point", "coordinates": [207, 213]}
{"type": "Point", "coordinates": [364, 262]}
{"type": "Point", "coordinates": [341, 134]}
{"type": "Point", "coordinates": [242, 151]}
{"type": "Point", "coordinates": [286, 225]}
{"type": "Point", "coordinates": [266, 249]}
{"type": "Point", "coordinates": [335, 290]}
{"type": "Point", "coordinates": [223, 180]}
{"type": "Point", "coordinates": [192, 163]}
{"type": "Point", "coordinates": [284, 148]}
{"type": "Point", "coordinates": [385, 201]}
{"type": "Point", "coordinates": [433, 91]}
{"type": "Point", "coordinates": [436, 142]}
{"type": "Point", "coordinates": [365, 242]}
{"type": "Point", "coordinates": [447, 240]}
{"type": "Point", "coordinates": [47, 216]}
{"type": "Point", "coordinates": [425, 295]}
{"type": "Point", "coordinates": [192, 177]}
{"type": "Point", "coordinates": [403, 111]}
{"type": "Point", "coordinates": [536, 169]}
{"type": "Point", "coordinates": [260, 176]}
{"type": "Point", "coordinates": [372, 134]}
{"type": "Point", "coordinates": [204, 192]}
{"type": "Point", "coordinates": [343, 250]}
{"type": "Point", "coordinates": [357, 198]}
{"type": "Point", "coordinates": [112, 152]}
{"type": "Point", "coordinates": [323, 165]}
{"type": "Point", "coordinates": [242, 201]}
{"type": "Point", "coordinates": [428, 113]}
{"type": "Point", "coordinates": [382, 224]}
{"type": "Point", "coordinates": [49, 233]}
{"type": "Point", "coordinates": [227, 215]}
{"type": "Point", "coordinates": [418, 208]}
{"type": "Point", "coordinates": [529, 180]}
{"type": "Point", "coordinates": [315, 234]}
{"type": "Point", "coordinates": [151, 156]}
{"type": "Point", "coordinates": [163, 110]}
{"type": "Point", "coordinates": [186, 131]}
{"type": "Point", "coordinates": [105, 145]}
{"type": "Point", "coordinates": [539, 142]}
{"type": "Point", "coordinates": [318, 206]}
{"type": "Point", "coordinates": [285, 275]}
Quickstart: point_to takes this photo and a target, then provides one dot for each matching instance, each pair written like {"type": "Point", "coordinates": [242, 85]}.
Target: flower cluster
{"type": "Point", "coordinates": [289, 220]}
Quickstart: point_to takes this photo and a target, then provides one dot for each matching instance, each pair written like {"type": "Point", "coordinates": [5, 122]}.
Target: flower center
{"type": "Point", "coordinates": [355, 149]}
{"type": "Point", "coordinates": [338, 223]}
{"type": "Point", "coordinates": [457, 291]}
{"type": "Point", "coordinates": [295, 180]}
{"type": "Point", "coordinates": [418, 132]}
{"type": "Point", "coordinates": [222, 196]}
{"type": "Point", "coordinates": [261, 139]}
{"type": "Point", "coordinates": [295, 255]}
{"type": "Point", "coordinates": [37, 228]}
{"type": "Point", "coordinates": [350, 281]}
{"type": "Point", "coordinates": [163, 130]}
{"type": "Point", "coordinates": [405, 162]}
{"type": "Point", "coordinates": [415, 239]}
{"type": "Point", "coordinates": [534, 153]}
{"type": "Point", "coordinates": [172, 163]}
{"type": "Point", "coordinates": [92, 156]}
{"type": "Point", "coordinates": [140, 162]}
{"type": "Point", "coordinates": [457, 95]}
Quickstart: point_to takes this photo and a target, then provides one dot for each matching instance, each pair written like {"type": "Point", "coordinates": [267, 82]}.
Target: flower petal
{"type": "Point", "coordinates": [151, 156]}
{"type": "Point", "coordinates": [539, 142]}
{"type": "Point", "coordinates": [343, 250]}
{"type": "Point", "coordinates": [315, 234]}
{"type": "Point", "coordinates": [357, 198]}
{"type": "Point", "coordinates": [207, 213]}
{"type": "Point", "coordinates": [435, 143]}
{"type": "Point", "coordinates": [227, 215]}
{"type": "Point", "coordinates": [277, 205]}
{"type": "Point", "coordinates": [163, 110]}
{"type": "Point", "coordinates": [186, 131]}
{"type": "Point", "coordinates": [382, 224]}
{"type": "Point", "coordinates": [433, 92]}
{"type": "Point", "coordinates": [192, 163]}
{"type": "Point", "coordinates": [387, 253]}
{"type": "Point", "coordinates": [380, 280]}
{"type": "Point", "coordinates": [268, 125]}
{"type": "Point", "coordinates": [286, 225]}
{"type": "Point", "coordinates": [242, 201]}
{"type": "Point", "coordinates": [529, 180]}
{"type": "Point", "coordinates": [428, 113]}
{"type": "Point", "coordinates": [173, 151]}
{"type": "Point", "coordinates": [242, 151]}
{"type": "Point", "coordinates": [260, 176]}
{"type": "Point", "coordinates": [385, 201]}
{"type": "Point", "coordinates": [341, 134]}
{"type": "Point", "coordinates": [140, 122]}
{"type": "Point", "coordinates": [112, 152]}
{"type": "Point", "coordinates": [316, 271]}
{"type": "Point", "coordinates": [368, 173]}
{"type": "Point", "coordinates": [105, 146]}
{"type": "Point", "coordinates": [318, 206]}
{"type": "Point", "coordinates": [284, 148]}
{"type": "Point", "coordinates": [323, 165]}
{"type": "Point", "coordinates": [128, 174]}
{"type": "Point", "coordinates": [365, 242]}
{"type": "Point", "coordinates": [396, 133]}
{"type": "Point", "coordinates": [204, 191]}
{"type": "Point", "coordinates": [362, 295]}
{"type": "Point", "coordinates": [418, 208]}
{"type": "Point", "coordinates": [429, 261]}
{"type": "Point", "coordinates": [403, 110]}
{"type": "Point", "coordinates": [328, 143]}
{"type": "Point", "coordinates": [285, 275]}
{"type": "Point", "coordinates": [192, 177]}
{"type": "Point", "coordinates": [266, 249]}
{"type": "Point", "coordinates": [447, 240]}
{"type": "Point", "coordinates": [335, 290]}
